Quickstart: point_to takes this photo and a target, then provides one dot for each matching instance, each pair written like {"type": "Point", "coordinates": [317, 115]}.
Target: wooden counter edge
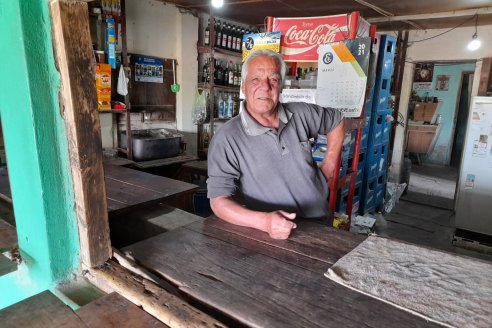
{"type": "Point", "coordinates": [164, 306]}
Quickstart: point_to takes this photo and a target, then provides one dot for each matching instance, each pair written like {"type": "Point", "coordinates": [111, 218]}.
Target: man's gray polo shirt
{"type": "Point", "coordinates": [270, 169]}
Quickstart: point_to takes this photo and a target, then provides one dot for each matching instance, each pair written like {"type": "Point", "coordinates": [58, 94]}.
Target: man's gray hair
{"type": "Point", "coordinates": [269, 53]}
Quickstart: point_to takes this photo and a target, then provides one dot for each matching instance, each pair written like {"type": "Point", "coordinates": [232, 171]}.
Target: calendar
{"type": "Point", "coordinates": [342, 75]}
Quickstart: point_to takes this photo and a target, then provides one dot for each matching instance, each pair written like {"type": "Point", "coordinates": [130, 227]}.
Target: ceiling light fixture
{"type": "Point", "coordinates": [217, 3]}
{"type": "Point", "coordinates": [475, 43]}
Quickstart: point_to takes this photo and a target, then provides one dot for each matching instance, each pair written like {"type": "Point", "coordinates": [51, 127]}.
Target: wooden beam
{"type": "Point", "coordinates": [78, 106]}
{"type": "Point", "coordinates": [445, 14]}
{"type": "Point", "coordinates": [485, 76]}
{"type": "Point", "coordinates": [166, 307]}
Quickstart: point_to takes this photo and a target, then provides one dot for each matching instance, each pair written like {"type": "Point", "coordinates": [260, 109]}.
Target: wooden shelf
{"type": "Point", "coordinates": [207, 50]}
{"type": "Point", "coordinates": [209, 86]}
{"type": "Point", "coordinates": [115, 111]}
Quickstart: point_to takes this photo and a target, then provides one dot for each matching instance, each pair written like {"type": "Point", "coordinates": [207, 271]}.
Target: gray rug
{"type": "Point", "coordinates": [451, 290]}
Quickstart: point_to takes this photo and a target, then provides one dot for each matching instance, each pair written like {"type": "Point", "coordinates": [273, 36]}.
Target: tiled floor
{"type": "Point", "coordinates": [424, 215]}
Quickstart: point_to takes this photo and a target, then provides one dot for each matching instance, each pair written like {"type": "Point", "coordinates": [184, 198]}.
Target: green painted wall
{"type": "Point", "coordinates": [442, 150]}
{"type": "Point", "coordinates": [36, 146]}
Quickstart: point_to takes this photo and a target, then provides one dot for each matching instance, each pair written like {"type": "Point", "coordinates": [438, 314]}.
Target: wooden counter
{"type": "Point", "coordinates": [260, 282]}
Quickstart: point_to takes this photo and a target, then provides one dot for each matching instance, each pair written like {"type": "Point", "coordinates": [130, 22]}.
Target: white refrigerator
{"type": "Point", "coordinates": [474, 192]}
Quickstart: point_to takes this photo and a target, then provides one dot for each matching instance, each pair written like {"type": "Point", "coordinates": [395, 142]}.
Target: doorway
{"type": "Point", "coordinates": [461, 118]}
{"type": "Point", "coordinates": [433, 181]}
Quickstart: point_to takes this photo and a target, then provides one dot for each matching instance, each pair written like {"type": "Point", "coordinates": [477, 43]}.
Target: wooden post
{"type": "Point", "coordinates": [73, 56]}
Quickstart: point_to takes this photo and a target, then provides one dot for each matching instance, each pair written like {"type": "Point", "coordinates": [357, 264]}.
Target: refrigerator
{"type": "Point", "coordinates": [473, 204]}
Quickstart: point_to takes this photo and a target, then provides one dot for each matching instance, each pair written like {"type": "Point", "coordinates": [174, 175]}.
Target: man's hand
{"type": "Point", "coordinates": [279, 224]}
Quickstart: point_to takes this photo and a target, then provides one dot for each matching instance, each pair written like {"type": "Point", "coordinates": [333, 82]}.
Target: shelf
{"type": "Point", "coordinates": [207, 50]}
{"type": "Point", "coordinates": [208, 86]}
{"type": "Point", "coordinates": [116, 111]}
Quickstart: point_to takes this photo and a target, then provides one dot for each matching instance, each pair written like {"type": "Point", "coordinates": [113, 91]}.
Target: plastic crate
{"type": "Point", "coordinates": [376, 129]}
{"type": "Point", "coordinates": [376, 161]}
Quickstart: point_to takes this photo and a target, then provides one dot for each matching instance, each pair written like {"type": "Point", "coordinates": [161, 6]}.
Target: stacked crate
{"type": "Point", "coordinates": [373, 185]}
{"type": "Point", "coordinates": [348, 147]}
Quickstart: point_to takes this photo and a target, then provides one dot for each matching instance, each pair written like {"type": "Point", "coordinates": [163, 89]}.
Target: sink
{"type": "Point", "coordinates": [152, 144]}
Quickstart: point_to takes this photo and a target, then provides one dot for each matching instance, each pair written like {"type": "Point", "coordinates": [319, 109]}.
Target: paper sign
{"type": "Point", "coordinates": [149, 69]}
{"type": "Point", "coordinates": [470, 181]}
{"type": "Point", "coordinates": [298, 95]}
{"type": "Point", "coordinates": [260, 41]}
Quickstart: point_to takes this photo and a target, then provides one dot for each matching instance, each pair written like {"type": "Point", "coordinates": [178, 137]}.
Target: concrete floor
{"type": "Point", "coordinates": [424, 216]}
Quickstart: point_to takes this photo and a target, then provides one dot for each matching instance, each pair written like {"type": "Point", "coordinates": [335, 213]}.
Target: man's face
{"type": "Point", "coordinates": [262, 85]}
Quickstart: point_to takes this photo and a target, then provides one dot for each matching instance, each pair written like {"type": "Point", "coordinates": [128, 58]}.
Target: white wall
{"type": "Point", "coordinates": [158, 29]}
{"type": "Point", "coordinates": [447, 47]}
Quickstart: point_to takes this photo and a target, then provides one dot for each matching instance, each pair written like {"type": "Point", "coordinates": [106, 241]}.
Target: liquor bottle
{"type": "Point", "coordinates": [230, 106]}
{"type": "Point", "coordinates": [237, 45]}
{"type": "Point", "coordinates": [229, 37]}
{"type": "Point", "coordinates": [226, 76]}
{"type": "Point", "coordinates": [205, 71]}
{"type": "Point", "coordinates": [218, 36]}
{"type": "Point", "coordinates": [225, 33]}
{"type": "Point", "coordinates": [221, 106]}
{"type": "Point", "coordinates": [235, 110]}
{"type": "Point", "coordinates": [242, 34]}
{"type": "Point", "coordinates": [231, 74]}
{"type": "Point", "coordinates": [206, 39]}
{"type": "Point", "coordinates": [220, 73]}
{"type": "Point", "coordinates": [236, 76]}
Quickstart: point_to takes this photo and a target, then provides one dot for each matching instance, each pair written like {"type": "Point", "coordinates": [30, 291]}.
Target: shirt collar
{"type": "Point", "coordinates": [252, 127]}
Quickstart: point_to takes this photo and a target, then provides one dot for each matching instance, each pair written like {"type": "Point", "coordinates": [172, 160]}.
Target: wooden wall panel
{"type": "Point", "coordinates": [73, 56]}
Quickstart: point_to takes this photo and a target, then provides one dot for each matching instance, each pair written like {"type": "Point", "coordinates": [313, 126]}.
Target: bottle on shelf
{"type": "Point", "coordinates": [206, 38]}
{"type": "Point", "coordinates": [231, 74]}
{"type": "Point", "coordinates": [226, 75]}
{"type": "Point", "coordinates": [206, 71]}
{"type": "Point", "coordinates": [221, 105]}
{"type": "Point", "coordinates": [230, 106]}
{"type": "Point", "coordinates": [225, 33]}
{"type": "Point", "coordinates": [218, 35]}
{"type": "Point", "coordinates": [229, 37]}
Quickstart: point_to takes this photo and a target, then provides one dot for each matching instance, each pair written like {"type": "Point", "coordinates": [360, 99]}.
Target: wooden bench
{"type": "Point", "coordinates": [46, 310]}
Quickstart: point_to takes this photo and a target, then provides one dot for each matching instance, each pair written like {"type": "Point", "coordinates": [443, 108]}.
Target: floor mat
{"type": "Point", "coordinates": [452, 290]}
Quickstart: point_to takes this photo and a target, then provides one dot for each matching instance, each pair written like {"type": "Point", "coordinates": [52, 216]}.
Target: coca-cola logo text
{"type": "Point", "coordinates": [321, 34]}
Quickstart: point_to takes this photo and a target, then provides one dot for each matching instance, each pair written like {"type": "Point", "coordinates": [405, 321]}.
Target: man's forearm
{"type": "Point", "coordinates": [231, 211]}
{"type": "Point", "coordinates": [278, 224]}
{"type": "Point", "coordinates": [334, 141]}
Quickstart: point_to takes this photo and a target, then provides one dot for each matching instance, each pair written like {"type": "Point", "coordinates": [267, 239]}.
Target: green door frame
{"type": "Point", "coordinates": [37, 152]}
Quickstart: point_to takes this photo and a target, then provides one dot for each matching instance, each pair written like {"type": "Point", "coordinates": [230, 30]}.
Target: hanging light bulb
{"type": "Point", "coordinates": [475, 43]}
{"type": "Point", "coordinates": [217, 3]}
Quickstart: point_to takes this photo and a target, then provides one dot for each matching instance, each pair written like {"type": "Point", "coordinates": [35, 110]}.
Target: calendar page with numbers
{"type": "Point", "coordinates": [342, 75]}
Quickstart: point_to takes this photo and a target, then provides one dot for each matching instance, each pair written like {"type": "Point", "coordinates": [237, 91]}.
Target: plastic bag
{"type": "Point", "coordinates": [199, 115]}
{"type": "Point", "coordinates": [393, 194]}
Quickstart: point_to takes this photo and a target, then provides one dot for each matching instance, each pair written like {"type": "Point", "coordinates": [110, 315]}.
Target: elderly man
{"type": "Point", "coordinates": [260, 166]}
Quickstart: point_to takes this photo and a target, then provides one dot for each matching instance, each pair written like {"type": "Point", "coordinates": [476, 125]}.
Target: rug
{"type": "Point", "coordinates": [448, 289]}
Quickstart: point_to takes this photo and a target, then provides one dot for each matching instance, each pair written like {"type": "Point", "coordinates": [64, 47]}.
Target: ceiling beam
{"type": "Point", "coordinates": [445, 14]}
{"type": "Point", "coordinates": [386, 13]}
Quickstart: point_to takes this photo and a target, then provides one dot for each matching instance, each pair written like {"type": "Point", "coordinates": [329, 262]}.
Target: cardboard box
{"type": "Point", "coordinates": [103, 86]}
{"type": "Point", "coordinates": [425, 112]}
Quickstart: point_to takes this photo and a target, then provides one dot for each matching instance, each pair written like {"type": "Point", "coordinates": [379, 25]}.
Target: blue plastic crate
{"type": "Point", "coordinates": [377, 160]}
{"type": "Point", "coordinates": [382, 104]}
{"type": "Point", "coordinates": [376, 129]}
{"type": "Point", "coordinates": [387, 53]}
{"type": "Point", "coordinates": [386, 129]}
{"type": "Point", "coordinates": [367, 193]}
{"type": "Point", "coordinates": [342, 197]}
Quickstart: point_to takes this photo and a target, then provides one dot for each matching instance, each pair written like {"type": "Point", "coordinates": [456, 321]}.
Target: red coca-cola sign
{"type": "Point", "coordinates": [302, 36]}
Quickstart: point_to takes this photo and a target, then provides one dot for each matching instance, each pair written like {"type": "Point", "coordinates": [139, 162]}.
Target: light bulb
{"type": "Point", "coordinates": [217, 3]}
{"type": "Point", "coordinates": [474, 43]}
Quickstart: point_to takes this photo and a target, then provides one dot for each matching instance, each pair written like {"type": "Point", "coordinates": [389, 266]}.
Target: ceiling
{"type": "Point", "coordinates": [253, 12]}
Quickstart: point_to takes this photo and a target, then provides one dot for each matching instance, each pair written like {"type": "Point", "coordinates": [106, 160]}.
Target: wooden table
{"type": "Point", "coordinates": [257, 281]}
{"type": "Point", "coordinates": [187, 170]}
{"type": "Point", "coordinates": [127, 188]}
